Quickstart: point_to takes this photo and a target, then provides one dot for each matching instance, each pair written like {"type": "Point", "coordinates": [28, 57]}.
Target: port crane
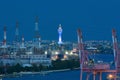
{"type": "Point", "coordinates": [89, 67]}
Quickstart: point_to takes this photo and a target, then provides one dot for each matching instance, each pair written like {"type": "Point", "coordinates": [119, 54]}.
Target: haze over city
{"type": "Point", "coordinates": [95, 18]}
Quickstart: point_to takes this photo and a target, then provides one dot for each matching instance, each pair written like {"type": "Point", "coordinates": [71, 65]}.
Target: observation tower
{"type": "Point", "coordinates": [60, 34]}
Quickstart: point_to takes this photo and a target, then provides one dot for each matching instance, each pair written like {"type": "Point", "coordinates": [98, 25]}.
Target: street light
{"type": "Point", "coordinates": [110, 76]}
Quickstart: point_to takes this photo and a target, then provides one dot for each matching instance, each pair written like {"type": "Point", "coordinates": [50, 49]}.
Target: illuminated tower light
{"type": "Point", "coordinates": [60, 34]}
{"type": "Point", "coordinates": [39, 41]}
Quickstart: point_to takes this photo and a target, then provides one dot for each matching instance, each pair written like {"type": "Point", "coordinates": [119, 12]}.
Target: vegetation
{"type": "Point", "coordinates": [66, 64]}
{"type": "Point", "coordinates": [56, 65]}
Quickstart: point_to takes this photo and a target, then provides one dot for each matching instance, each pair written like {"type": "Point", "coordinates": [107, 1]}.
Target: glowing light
{"type": "Point", "coordinates": [71, 53]}
{"type": "Point", "coordinates": [110, 76]}
{"type": "Point", "coordinates": [60, 34]}
{"type": "Point", "coordinates": [45, 52]}
{"type": "Point", "coordinates": [66, 52]}
{"type": "Point", "coordinates": [54, 57]}
{"type": "Point", "coordinates": [65, 57]}
{"type": "Point", "coordinates": [56, 52]}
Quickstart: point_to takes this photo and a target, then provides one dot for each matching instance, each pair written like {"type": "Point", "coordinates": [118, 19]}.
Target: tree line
{"type": "Point", "coordinates": [56, 65]}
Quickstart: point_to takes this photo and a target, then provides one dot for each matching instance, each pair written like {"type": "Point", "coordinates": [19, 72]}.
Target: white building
{"type": "Point", "coordinates": [25, 59]}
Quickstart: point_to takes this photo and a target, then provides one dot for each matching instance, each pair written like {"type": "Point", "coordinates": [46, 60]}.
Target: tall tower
{"type": "Point", "coordinates": [39, 42]}
{"type": "Point", "coordinates": [23, 41]}
{"type": "Point", "coordinates": [17, 32]}
{"type": "Point", "coordinates": [5, 37]}
{"type": "Point", "coordinates": [37, 35]}
{"type": "Point", "coordinates": [60, 34]}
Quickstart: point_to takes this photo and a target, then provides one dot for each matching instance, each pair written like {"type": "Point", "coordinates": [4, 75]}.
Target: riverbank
{"type": "Point", "coordinates": [46, 72]}
{"type": "Point", "coordinates": [15, 74]}
{"type": "Point", "coordinates": [65, 75]}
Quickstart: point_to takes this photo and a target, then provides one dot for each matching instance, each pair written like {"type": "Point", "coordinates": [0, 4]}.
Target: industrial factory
{"type": "Point", "coordinates": [36, 51]}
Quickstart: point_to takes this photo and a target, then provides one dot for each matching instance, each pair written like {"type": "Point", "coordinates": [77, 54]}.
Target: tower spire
{"type": "Point", "coordinates": [17, 32]}
{"type": "Point", "coordinates": [36, 28]}
{"type": "Point", "coordinates": [37, 35]}
{"type": "Point", "coordinates": [60, 34]}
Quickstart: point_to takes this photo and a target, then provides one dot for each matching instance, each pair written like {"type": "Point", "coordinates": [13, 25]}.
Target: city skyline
{"type": "Point", "coordinates": [95, 18]}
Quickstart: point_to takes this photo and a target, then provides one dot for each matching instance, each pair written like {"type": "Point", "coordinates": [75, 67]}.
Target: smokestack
{"type": "Point", "coordinates": [80, 42]}
{"type": "Point", "coordinates": [36, 28]}
{"type": "Point", "coordinates": [17, 32]}
{"type": "Point", "coordinates": [39, 41]}
{"type": "Point", "coordinates": [23, 41]}
{"type": "Point", "coordinates": [5, 37]}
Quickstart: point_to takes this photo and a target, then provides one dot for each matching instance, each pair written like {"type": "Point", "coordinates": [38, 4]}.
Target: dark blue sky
{"type": "Point", "coordinates": [96, 18]}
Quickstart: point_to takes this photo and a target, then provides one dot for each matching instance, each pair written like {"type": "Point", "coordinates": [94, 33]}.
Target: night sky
{"type": "Point", "coordinates": [96, 18]}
